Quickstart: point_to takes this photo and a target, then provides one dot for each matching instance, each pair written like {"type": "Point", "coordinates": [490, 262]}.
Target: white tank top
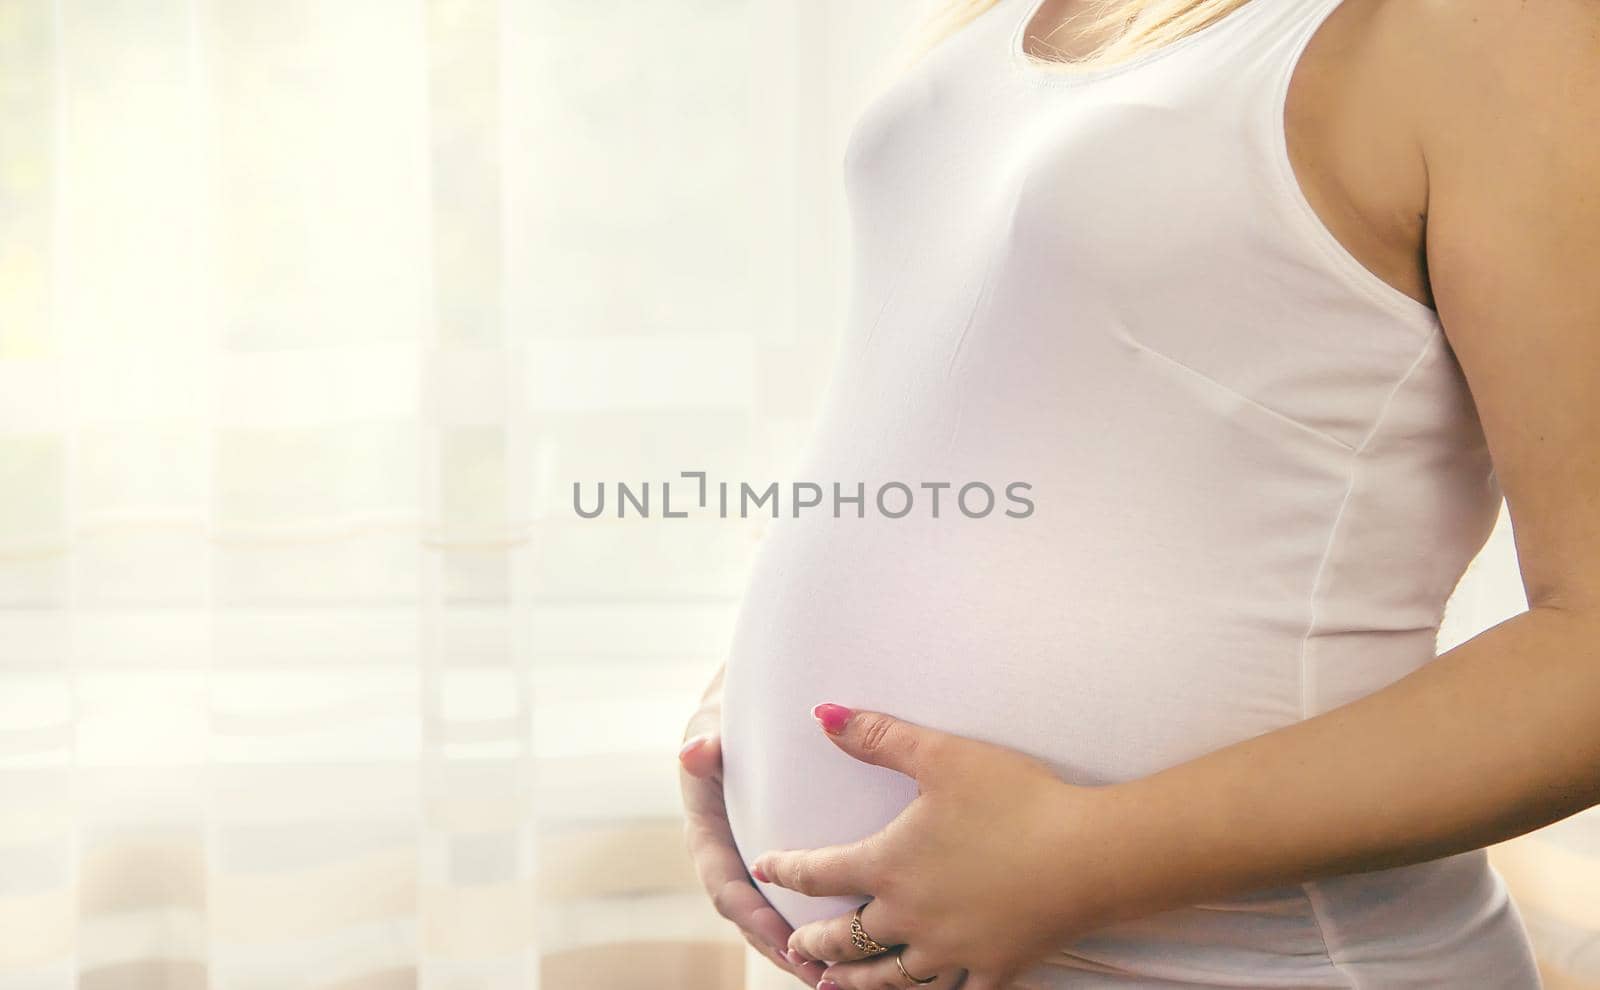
{"type": "Point", "coordinates": [1256, 475]}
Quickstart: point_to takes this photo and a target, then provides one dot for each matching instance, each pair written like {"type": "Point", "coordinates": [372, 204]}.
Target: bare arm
{"type": "Point", "coordinates": [1494, 738]}
{"type": "Point", "coordinates": [1500, 735]}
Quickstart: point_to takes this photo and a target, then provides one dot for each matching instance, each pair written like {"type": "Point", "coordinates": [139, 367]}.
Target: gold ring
{"type": "Point", "coordinates": [913, 979]}
{"type": "Point", "coordinates": [861, 940]}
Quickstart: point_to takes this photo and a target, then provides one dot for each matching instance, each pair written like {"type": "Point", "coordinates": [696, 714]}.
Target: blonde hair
{"type": "Point", "coordinates": [1132, 26]}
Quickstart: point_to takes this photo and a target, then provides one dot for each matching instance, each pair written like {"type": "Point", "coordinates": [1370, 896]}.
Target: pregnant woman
{"type": "Point", "coordinates": [1269, 303]}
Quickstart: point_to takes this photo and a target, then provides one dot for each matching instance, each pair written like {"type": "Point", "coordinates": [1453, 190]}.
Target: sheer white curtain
{"type": "Point", "coordinates": [310, 314]}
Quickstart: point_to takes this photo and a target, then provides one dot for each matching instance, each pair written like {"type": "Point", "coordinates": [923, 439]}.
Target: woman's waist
{"type": "Point", "coordinates": [1445, 922]}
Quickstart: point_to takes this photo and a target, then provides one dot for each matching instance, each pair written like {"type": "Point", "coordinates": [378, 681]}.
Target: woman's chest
{"type": "Point", "coordinates": [1163, 157]}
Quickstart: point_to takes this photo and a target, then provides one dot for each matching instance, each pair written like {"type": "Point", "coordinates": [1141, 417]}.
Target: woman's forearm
{"type": "Point", "coordinates": [1494, 738]}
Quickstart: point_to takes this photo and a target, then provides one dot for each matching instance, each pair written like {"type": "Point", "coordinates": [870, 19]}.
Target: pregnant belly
{"type": "Point", "coordinates": [1053, 640]}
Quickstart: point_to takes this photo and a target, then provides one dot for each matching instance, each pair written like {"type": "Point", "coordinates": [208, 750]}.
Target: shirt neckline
{"type": "Point", "coordinates": [1041, 71]}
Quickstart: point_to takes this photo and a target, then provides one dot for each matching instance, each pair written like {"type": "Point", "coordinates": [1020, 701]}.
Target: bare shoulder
{"type": "Point", "coordinates": [1479, 72]}
{"type": "Point", "coordinates": [1482, 35]}
{"type": "Point", "coordinates": [1506, 95]}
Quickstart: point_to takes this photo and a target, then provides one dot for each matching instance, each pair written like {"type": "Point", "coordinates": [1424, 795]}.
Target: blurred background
{"type": "Point", "coordinates": [311, 312]}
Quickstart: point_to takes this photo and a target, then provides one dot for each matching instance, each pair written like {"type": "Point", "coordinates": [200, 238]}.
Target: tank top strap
{"type": "Point", "coordinates": [1278, 34]}
{"type": "Point", "coordinates": [1250, 44]}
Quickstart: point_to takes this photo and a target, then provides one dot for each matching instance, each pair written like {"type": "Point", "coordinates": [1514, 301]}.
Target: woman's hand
{"type": "Point", "coordinates": [977, 877]}
{"type": "Point", "coordinates": [716, 860]}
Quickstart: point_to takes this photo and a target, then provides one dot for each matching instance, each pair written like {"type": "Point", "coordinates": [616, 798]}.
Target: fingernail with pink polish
{"type": "Point", "coordinates": [832, 717]}
{"type": "Point", "coordinates": [760, 874]}
{"type": "Point", "coordinates": [827, 985]}
{"type": "Point", "coordinates": [691, 746]}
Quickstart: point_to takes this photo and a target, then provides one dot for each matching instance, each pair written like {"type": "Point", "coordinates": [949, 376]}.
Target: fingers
{"type": "Point", "coordinates": [739, 902]}
{"type": "Point", "coordinates": [721, 868]}
{"type": "Point", "coordinates": [742, 904]}
{"type": "Point", "coordinates": [716, 859]}
{"type": "Point", "coordinates": [824, 872]}
{"type": "Point", "coordinates": [879, 739]}
{"type": "Point", "coordinates": [702, 755]}
{"type": "Point", "coordinates": [882, 971]}
{"type": "Point", "coordinates": [809, 973]}
{"type": "Point", "coordinates": [701, 779]}
{"type": "Point", "coordinates": [733, 895]}
{"type": "Point", "coordinates": [831, 940]}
